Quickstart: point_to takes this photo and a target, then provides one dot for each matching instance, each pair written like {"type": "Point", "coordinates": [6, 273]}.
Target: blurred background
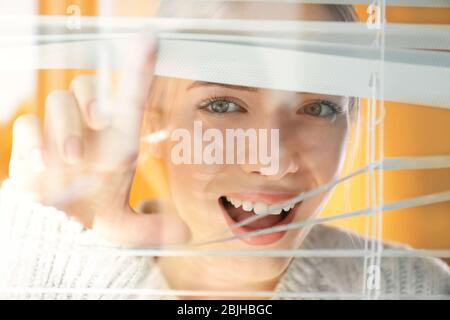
{"type": "Point", "coordinates": [410, 130]}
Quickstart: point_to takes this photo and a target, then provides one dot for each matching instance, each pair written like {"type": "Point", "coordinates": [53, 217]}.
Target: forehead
{"type": "Point", "coordinates": [247, 10]}
{"type": "Point", "coordinates": [262, 92]}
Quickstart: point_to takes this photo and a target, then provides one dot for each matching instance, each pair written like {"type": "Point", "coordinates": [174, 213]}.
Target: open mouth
{"type": "Point", "coordinates": [237, 210]}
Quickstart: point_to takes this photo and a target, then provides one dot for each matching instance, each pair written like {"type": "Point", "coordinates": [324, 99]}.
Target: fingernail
{"type": "Point", "coordinates": [73, 149]}
{"type": "Point", "coordinates": [98, 117]}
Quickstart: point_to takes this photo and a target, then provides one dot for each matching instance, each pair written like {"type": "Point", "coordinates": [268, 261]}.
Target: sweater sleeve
{"type": "Point", "coordinates": [46, 255]}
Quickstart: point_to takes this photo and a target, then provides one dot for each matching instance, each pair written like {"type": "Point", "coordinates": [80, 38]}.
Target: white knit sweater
{"type": "Point", "coordinates": [42, 250]}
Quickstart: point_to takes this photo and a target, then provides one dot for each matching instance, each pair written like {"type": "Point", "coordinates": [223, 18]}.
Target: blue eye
{"type": "Point", "coordinates": [221, 105]}
{"type": "Point", "coordinates": [321, 109]}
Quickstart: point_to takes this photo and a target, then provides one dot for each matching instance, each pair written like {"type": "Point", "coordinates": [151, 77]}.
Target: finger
{"type": "Point", "coordinates": [64, 127]}
{"type": "Point", "coordinates": [140, 230]}
{"type": "Point", "coordinates": [27, 149]}
{"type": "Point", "coordinates": [134, 88]}
{"type": "Point", "coordinates": [84, 88]}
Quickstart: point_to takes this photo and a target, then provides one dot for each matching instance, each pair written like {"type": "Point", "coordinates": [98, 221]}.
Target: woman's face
{"type": "Point", "coordinates": [311, 131]}
{"type": "Point", "coordinates": [312, 137]}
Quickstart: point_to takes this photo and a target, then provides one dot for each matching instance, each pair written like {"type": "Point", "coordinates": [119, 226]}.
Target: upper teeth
{"type": "Point", "coordinates": [258, 207]}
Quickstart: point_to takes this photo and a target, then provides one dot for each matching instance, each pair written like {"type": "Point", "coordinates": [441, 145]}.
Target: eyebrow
{"type": "Point", "coordinates": [230, 86]}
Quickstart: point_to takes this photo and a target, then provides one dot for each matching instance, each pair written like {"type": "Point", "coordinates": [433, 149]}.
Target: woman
{"type": "Point", "coordinates": [95, 150]}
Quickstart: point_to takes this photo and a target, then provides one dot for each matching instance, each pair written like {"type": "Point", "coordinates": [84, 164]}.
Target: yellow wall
{"type": "Point", "coordinates": [409, 130]}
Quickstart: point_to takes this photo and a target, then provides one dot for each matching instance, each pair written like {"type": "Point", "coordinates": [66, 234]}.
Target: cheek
{"type": "Point", "coordinates": [192, 195]}
{"type": "Point", "coordinates": [332, 153]}
{"type": "Point", "coordinates": [189, 184]}
{"type": "Point", "coordinates": [324, 149]}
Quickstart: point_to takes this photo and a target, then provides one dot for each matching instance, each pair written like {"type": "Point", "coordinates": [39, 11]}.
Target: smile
{"type": "Point", "coordinates": [239, 207]}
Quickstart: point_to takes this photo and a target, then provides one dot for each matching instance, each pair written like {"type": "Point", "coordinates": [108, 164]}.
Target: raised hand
{"type": "Point", "coordinates": [83, 159]}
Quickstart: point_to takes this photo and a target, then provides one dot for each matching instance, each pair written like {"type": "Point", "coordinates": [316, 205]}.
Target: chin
{"type": "Point", "coordinates": [260, 268]}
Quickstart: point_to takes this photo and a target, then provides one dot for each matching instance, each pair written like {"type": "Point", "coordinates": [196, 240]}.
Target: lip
{"type": "Point", "coordinates": [264, 239]}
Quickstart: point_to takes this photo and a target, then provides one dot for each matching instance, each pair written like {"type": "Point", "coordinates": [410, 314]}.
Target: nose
{"type": "Point", "coordinates": [281, 164]}
{"type": "Point", "coordinates": [283, 154]}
